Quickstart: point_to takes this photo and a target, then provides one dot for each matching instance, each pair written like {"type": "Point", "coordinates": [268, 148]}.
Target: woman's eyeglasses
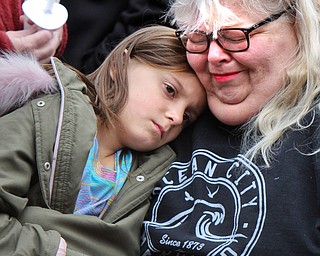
{"type": "Point", "coordinates": [230, 39]}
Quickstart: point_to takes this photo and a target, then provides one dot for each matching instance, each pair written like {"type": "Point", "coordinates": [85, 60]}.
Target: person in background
{"type": "Point", "coordinates": [106, 22]}
{"type": "Point", "coordinates": [77, 167]}
{"type": "Point", "coordinates": [246, 180]}
{"type": "Point", "coordinates": [43, 43]}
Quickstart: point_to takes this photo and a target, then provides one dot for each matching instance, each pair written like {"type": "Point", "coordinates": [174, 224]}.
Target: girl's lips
{"type": "Point", "coordinates": [225, 76]}
{"type": "Point", "coordinates": [160, 129]}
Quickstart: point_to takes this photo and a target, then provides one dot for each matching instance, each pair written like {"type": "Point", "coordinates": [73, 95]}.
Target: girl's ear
{"type": "Point", "coordinates": [113, 69]}
{"type": "Point", "coordinates": [112, 74]}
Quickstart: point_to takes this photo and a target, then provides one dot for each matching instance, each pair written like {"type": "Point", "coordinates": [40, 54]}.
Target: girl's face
{"type": "Point", "coordinates": [239, 84]}
{"type": "Point", "coordinates": [160, 104]}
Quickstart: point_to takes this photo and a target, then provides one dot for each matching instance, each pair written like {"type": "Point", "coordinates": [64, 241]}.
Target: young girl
{"type": "Point", "coordinates": [79, 160]}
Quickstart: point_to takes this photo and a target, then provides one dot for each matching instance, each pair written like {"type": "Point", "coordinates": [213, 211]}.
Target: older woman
{"type": "Point", "coordinates": [246, 180]}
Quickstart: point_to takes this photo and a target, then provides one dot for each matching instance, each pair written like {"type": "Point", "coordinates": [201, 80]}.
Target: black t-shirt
{"type": "Point", "coordinates": [214, 201]}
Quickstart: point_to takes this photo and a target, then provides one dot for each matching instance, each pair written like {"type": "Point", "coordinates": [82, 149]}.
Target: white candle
{"type": "Point", "coordinates": [47, 14]}
{"type": "Point", "coordinates": [25, 21]}
{"type": "Point", "coordinates": [48, 8]}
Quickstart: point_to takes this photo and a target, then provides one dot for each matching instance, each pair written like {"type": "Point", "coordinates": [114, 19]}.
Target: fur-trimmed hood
{"type": "Point", "coordinates": [21, 79]}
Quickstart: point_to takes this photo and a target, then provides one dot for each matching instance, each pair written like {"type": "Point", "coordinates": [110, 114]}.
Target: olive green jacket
{"type": "Point", "coordinates": [32, 215]}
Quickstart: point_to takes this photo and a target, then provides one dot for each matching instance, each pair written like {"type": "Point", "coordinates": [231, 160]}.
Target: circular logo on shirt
{"type": "Point", "coordinates": [208, 206]}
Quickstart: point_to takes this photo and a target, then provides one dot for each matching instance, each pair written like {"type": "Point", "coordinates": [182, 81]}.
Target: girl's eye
{"type": "Point", "coordinates": [186, 117]}
{"type": "Point", "coordinates": [169, 89]}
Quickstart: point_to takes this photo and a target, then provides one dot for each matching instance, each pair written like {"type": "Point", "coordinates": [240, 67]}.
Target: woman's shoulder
{"type": "Point", "coordinates": [312, 118]}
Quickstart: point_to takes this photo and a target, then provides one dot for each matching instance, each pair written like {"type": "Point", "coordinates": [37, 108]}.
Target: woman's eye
{"type": "Point", "coordinates": [169, 89]}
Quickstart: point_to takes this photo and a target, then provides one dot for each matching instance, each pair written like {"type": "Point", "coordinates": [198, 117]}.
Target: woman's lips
{"type": "Point", "coordinates": [224, 77]}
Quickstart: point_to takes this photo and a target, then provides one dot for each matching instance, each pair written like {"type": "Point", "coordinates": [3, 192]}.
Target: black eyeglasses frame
{"type": "Point", "coordinates": [246, 31]}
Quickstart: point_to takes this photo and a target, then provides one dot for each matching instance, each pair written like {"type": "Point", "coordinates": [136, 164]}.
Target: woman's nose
{"type": "Point", "coordinates": [216, 54]}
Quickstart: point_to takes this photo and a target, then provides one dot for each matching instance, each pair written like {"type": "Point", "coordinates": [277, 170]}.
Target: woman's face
{"type": "Point", "coordinates": [160, 104]}
{"type": "Point", "coordinates": [239, 84]}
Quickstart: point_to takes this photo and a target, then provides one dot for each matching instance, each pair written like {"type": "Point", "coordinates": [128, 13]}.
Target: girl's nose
{"type": "Point", "coordinates": [176, 116]}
